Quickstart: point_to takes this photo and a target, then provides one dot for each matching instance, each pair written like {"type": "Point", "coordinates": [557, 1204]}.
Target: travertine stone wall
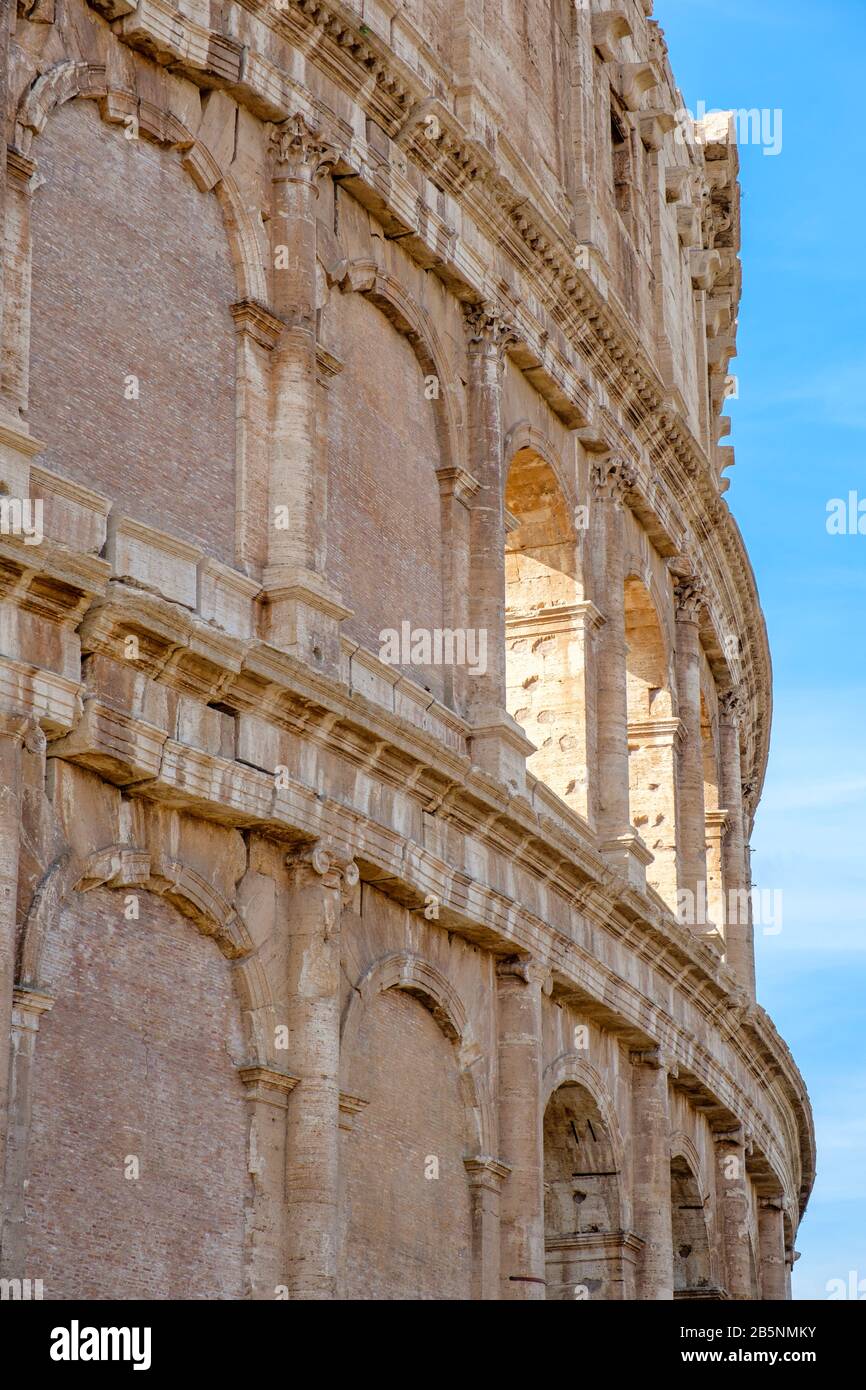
{"type": "Point", "coordinates": [415, 971]}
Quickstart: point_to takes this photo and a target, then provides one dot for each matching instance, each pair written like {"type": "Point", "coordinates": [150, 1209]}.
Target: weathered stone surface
{"type": "Point", "coordinates": [384, 701]}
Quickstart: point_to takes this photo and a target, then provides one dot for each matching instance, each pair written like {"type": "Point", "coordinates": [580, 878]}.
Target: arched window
{"type": "Point", "coordinates": [584, 1242]}
{"type": "Point", "coordinates": [692, 1272]}
{"type": "Point", "coordinates": [546, 626]}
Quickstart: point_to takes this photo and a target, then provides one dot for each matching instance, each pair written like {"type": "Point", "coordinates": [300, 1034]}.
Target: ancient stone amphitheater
{"type": "Point", "coordinates": [385, 692]}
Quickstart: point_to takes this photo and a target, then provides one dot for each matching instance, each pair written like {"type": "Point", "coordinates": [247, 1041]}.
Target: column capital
{"type": "Point", "coordinates": [656, 1059]}
{"type": "Point", "coordinates": [334, 865]}
{"type": "Point", "coordinates": [300, 153]}
{"type": "Point", "coordinates": [737, 1137]}
{"type": "Point", "coordinates": [613, 478]}
{"type": "Point", "coordinates": [15, 724]}
{"type": "Point", "coordinates": [690, 598]}
{"type": "Point", "coordinates": [771, 1203]}
{"type": "Point", "coordinates": [489, 332]}
{"type": "Point", "coordinates": [526, 969]}
{"type": "Point", "coordinates": [731, 707]}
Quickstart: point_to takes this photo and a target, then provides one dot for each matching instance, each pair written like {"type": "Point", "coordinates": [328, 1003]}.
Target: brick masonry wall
{"type": "Point", "coordinates": [408, 1236]}
{"type": "Point", "coordinates": [137, 1058]}
{"type": "Point", "coordinates": [384, 538]}
{"type": "Point", "coordinates": [131, 274]}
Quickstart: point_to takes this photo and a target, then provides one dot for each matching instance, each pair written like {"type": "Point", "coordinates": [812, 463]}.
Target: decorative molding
{"type": "Point", "coordinates": [301, 153]}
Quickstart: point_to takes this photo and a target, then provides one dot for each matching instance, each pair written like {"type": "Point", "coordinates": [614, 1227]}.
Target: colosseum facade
{"type": "Point", "coordinates": [385, 691]}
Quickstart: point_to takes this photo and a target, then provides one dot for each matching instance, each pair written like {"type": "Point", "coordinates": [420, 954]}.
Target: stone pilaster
{"type": "Point", "coordinates": [305, 610]}
{"type": "Point", "coordinates": [521, 1133]}
{"type": "Point", "coordinates": [771, 1244]}
{"type": "Point", "coordinates": [258, 333]}
{"type": "Point", "coordinates": [498, 744]}
{"type": "Point", "coordinates": [13, 730]}
{"type": "Point", "coordinates": [318, 878]}
{"type": "Point", "coordinates": [486, 1176]}
{"type": "Point", "coordinates": [28, 1006]}
{"type": "Point", "coordinates": [620, 843]}
{"type": "Point", "coordinates": [739, 943]}
{"type": "Point", "coordinates": [689, 600]}
{"type": "Point", "coordinates": [732, 1187]}
{"type": "Point", "coordinates": [652, 1175]}
{"type": "Point", "coordinates": [456, 491]}
{"type": "Point", "coordinates": [267, 1091]}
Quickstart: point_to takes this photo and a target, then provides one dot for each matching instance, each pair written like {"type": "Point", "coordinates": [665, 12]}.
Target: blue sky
{"type": "Point", "coordinates": [799, 428]}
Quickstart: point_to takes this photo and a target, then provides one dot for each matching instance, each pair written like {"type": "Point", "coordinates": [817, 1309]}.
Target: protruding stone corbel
{"type": "Point", "coordinates": [609, 28]}
{"type": "Point", "coordinates": [258, 322]}
{"type": "Point", "coordinates": [457, 483]}
{"type": "Point", "coordinates": [486, 1172]}
{"type": "Point", "coordinates": [704, 267]}
{"type": "Point", "coordinates": [267, 1084]}
{"type": "Point", "coordinates": [350, 1108]}
{"type": "Point", "coordinates": [653, 126]}
{"type": "Point", "coordinates": [678, 179]}
{"type": "Point", "coordinates": [634, 80]}
{"type": "Point", "coordinates": [688, 226]}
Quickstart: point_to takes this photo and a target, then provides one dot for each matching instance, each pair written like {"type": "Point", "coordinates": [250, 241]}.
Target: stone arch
{"type": "Point", "coordinates": [654, 733]}
{"type": "Point", "coordinates": [128, 867]}
{"type": "Point", "coordinates": [693, 1262]}
{"type": "Point", "coordinates": [413, 322]}
{"type": "Point", "coordinates": [524, 435]}
{"type": "Point", "coordinates": [393, 478]}
{"type": "Point", "coordinates": [408, 1056]}
{"type": "Point", "coordinates": [68, 79]}
{"type": "Point", "coordinates": [241, 999]}
{"type": "Point", "coordinates": [587, 1213]}
{"type": "Point", "coordinates": [547, 623]}
{"type": "Point", "coordinates": [573, 1068]}
{"type": "Point", "coordinates": [187, 396]}
{"type": "Point", "coordinates": [418, 977]}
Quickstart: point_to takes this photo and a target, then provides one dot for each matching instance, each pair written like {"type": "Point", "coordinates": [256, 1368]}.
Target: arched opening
{"type": "Point", "coordinates": [653, 736]}
{"type": "Point", "coordinates": [545, 629]}
{"type": "Point", "coordinates": [587, 1254]}
{"type": "Point", "coordinates": [692, 1267]}
{"type": "Point", "coordinates": [406, 1206]}
{"type": "Point", "coordinates": [137, 1174]}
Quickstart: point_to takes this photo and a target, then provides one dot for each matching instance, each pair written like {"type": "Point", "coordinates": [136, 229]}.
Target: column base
{"type": "Point", "coordinates": [305, 613]}
{"type": "Point", "coordinates": [499, 747]}
{"type": "Point", "coordinates": [628, 854]}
